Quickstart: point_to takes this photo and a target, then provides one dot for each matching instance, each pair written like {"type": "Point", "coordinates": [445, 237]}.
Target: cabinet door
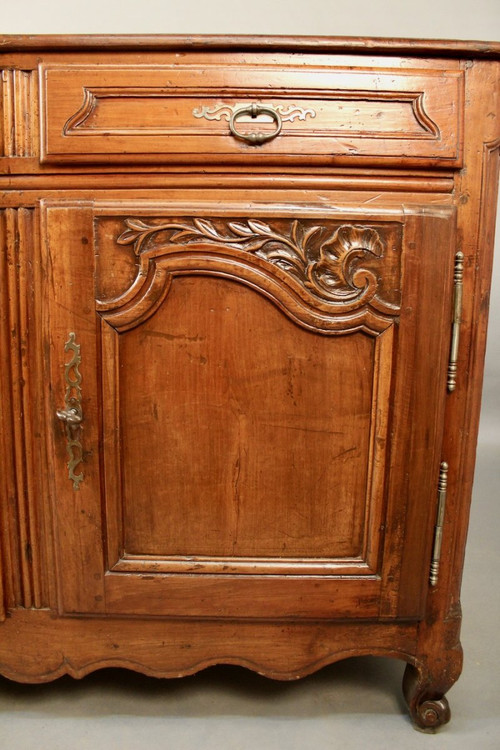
{"type": "Point", "coordinates": [261, 398]}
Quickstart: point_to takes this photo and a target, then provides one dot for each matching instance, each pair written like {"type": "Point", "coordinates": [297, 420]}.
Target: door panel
{"type": "Point", "coordinates": [245, 382]}
{"type": "Point", "coordinates": [242, 430]}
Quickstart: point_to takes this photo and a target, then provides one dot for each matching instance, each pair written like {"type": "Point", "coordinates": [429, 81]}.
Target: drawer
{"type": "Point", "coordinates": [261, 114]}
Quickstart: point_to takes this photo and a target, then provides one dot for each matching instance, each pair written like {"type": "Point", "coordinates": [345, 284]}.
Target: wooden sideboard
{"type": "Point", "coordinates": [244, 288]}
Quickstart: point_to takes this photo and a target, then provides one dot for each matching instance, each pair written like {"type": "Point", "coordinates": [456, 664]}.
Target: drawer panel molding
{"type": "Point", "coordinates": [182, 113]}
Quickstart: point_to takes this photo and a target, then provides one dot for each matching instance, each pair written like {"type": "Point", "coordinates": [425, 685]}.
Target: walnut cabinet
{"type": "Point", "coordinates": [244, 290]}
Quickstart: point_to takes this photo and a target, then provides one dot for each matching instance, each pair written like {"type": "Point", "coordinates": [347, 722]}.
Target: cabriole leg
{"type": "Point", "coordinates": [425, 696]}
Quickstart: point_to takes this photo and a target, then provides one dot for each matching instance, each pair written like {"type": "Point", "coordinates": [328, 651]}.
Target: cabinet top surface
{"type": "Point", "coordinates": [360, 45]}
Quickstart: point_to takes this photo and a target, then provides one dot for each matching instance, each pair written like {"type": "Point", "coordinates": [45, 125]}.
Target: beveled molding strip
{"type": "Point", "coordinates": [241, 42]}
{"type": "Point", "coordinates": [230, 178]}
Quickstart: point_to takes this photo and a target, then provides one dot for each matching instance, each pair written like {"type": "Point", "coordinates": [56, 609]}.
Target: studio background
{"type": "Point", "coordinates": [343, 706]}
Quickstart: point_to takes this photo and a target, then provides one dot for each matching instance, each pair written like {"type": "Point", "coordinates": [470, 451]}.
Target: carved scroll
{"type": "Point", "coordinates": [330, 276]}
{"type": "Point", "coordinates": [328, 271]}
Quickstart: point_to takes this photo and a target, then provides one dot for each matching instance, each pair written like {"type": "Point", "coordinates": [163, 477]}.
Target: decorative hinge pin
{"type": "Point", "coordinates": [457, 317]}
{"type": "Point", "coordinates": [438, 531]}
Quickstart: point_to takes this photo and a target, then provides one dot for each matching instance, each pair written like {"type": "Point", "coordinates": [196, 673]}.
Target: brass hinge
{"type": "Point", "coordinates": [457, 316]}
{"type": "Point", "coordinates": [438, 531]}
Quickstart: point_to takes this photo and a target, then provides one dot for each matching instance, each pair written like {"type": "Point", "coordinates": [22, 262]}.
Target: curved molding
{"type": "Point", "coordinates": [315, 275]}
{"type": "Point", "coordinates": [141, 301]}
{"type": "Point", "coordinates": [68, 666]}
{"type": "Point", "coordinates": [424, 695]}
{"type": "Point", "coordinates": [179, 648]}
{"type": "Point", "coordinates": [156, 283]}
{"type": "Point", "coordinates": [423, 118]}
{"type": "Point", "coordinates": [414, 100]}
{"type": "Point", "coordinates": [78, 119]}
{"type": "Point", "coordinates": [493, 145]}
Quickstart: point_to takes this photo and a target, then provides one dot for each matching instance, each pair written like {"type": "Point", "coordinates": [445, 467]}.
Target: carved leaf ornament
{"type": "Point", "coordinates": [327, 266]}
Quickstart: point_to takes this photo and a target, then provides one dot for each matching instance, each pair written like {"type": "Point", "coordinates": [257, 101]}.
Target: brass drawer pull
{"type": "Point", "coordinates": [254, 110]}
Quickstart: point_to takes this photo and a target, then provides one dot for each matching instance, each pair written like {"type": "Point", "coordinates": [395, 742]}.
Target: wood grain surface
{"type": "Point", "coordinates": [257, 337]}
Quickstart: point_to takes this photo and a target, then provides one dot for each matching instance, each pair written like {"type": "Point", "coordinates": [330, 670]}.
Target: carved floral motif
{"type": "Point", "coordinates": [326, 263]}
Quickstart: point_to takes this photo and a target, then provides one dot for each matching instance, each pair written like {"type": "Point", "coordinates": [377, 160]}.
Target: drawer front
{"type": "Point", "coordinates": [196, 113]}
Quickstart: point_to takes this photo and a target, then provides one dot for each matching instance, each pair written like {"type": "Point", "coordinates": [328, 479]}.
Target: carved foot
{"type": "Point", "coordinates": [431, 714]}
{"type": "Point", "coordinates": [428, 709]}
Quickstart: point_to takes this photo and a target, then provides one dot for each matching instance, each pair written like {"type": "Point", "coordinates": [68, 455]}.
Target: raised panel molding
{"type": "Point", "coordinates": [408, 107]}
{"type": "Point", "coordinates": [327, 277]}
{"type": "Point", "coordinates": [180, 112]}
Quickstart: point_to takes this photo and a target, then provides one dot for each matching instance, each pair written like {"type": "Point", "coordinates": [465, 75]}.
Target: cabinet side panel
{"type": "Point", "coordinates": [476, 194]}
{"type": "Point", "coordinates": [438, 649]}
